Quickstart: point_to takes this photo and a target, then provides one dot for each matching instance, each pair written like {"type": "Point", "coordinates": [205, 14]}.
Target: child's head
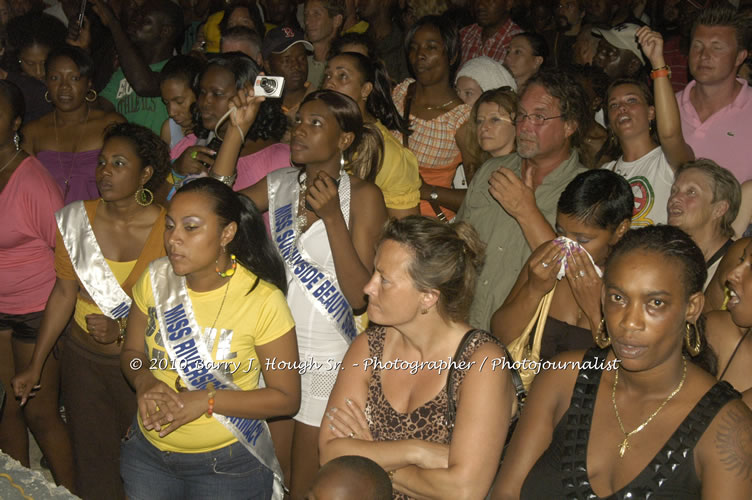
{"type": "Point", "coordinates": [351, 478]}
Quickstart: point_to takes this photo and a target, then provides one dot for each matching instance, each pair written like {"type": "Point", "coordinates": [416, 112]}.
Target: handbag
{"type": "Point", "coordinates": [528, 345]}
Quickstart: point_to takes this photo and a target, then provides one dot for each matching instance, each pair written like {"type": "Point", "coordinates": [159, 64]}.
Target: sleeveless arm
{"type": "Point", "coordinates": [486, 391]}
{"type": "Point", "coordinates": [544, 407]}
{"type": "Point", "coordinates": [724, 454]}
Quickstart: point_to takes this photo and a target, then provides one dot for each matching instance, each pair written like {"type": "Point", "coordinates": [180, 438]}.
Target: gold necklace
{"type": "Point", "coordinates": [75, 147]}
{"type": "Point", "coordinates": [440, 106]}
{"type": "Point", "coordinates": [624, 445]}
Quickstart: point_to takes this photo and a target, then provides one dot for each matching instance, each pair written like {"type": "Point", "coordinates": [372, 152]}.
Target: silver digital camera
{"type": "Point", "coordinates": [268, 86]}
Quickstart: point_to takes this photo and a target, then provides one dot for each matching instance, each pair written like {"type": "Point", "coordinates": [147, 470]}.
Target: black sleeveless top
{"type": "Point", "coordinates": [561, 472]}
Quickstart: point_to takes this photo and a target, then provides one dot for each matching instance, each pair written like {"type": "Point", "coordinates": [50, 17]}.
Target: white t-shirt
{"type": "Point", "coordinates": [651, 178]}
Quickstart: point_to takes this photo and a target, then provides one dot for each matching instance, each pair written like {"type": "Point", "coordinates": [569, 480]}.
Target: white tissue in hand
{"type": "Point", "coordinates": [571, 246]}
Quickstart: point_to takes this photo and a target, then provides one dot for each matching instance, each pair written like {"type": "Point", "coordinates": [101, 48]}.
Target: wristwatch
{"type": "Point", "coordinates": [434, 195]}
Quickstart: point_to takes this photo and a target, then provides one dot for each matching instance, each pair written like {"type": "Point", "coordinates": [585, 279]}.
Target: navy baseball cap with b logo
{"type": "Point", "coordinates": [281, 38]}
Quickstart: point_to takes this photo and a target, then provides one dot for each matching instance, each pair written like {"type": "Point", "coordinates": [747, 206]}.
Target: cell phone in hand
{"type": "Point", "coordinates": [81, 12]}
{"type": "Point", "coordinates": [214, 145]}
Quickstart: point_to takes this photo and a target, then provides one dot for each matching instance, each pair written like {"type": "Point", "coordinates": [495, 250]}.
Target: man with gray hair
{"type": "Point", "coordinates": [512, 199]}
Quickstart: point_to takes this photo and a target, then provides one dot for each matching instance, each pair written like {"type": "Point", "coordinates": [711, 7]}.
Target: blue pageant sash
{"type": "Point", "coordinates": [186, 347]}
{"type": "Point", "coordinates": [89, 263]}
{"type": "Point", "coordinates": [320, 286]}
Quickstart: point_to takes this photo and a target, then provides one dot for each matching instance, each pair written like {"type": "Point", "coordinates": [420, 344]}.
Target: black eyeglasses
{"type": "Point", "coordinates": [535, 119]}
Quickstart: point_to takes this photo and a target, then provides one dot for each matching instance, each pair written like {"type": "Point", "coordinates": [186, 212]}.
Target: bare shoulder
{"type": "Point", "coordinates": [105, 117]}
{"type": "Point", "coordinates": [728, 442]}
{"type": "Point", "coordinates": [722, 332]}
{"type": "Point", "coordinates": [369, 191]}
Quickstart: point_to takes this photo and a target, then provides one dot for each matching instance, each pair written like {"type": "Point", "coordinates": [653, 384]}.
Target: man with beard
{"type": "Point", "coordinates": [491, 33]}
{"type": "Point", "coordinates": [569, 16]}
{"type": "Point", "coordinates": [516, 213]}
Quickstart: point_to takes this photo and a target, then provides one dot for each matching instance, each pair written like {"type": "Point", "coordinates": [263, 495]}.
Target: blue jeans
{"type": "Point", "coordinates": [229, 473]}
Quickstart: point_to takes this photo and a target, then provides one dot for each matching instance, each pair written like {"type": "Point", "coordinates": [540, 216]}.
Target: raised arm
{"type": "Point", "coordinates": [141, 78]}
{"type": "Point", "coordinates": [668, 120]}
{"type": "Point", "coordinates": [517, 197]}
{"type": "Point", "coordinates": [353, 249]}
{"type": "Point", "coordinates": [535, 280]}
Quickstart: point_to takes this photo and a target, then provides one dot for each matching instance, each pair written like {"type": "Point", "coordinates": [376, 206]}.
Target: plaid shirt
{"type": "Point", "coordinates": [495, 47]}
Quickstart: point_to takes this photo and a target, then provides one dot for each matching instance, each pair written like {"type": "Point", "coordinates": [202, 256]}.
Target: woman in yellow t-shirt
{"type": "Point", "coordinates": [234, 280]}
{"type": "Point", "coordinates": [366, 82]}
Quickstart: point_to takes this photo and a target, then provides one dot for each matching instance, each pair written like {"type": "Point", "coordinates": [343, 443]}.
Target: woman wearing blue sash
{"type": "Point", "coordinates": [325, 224]}
{"type": "Point", "coordinates": [213, 316]}
{"type": "Point", "coordinates": [102, 248]}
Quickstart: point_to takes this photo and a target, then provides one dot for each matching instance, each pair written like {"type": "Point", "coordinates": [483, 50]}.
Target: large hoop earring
{"type": "Point", "coordinates": [47, 96]}
{"type": "Point", "coordinates": [93, 98]}
{"type": "Point", "coordinates": [229, 271]}
{"type": "Point", "coordinates": [694, 347]}
{"type": "Point", "coordinates": [602, 338]}
{"type": "Point", "coordinates": [144, 196]}
{"type": "Point", "coordinates": [17, 141]}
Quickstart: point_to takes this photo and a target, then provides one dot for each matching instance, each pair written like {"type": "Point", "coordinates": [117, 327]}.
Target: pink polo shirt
{"type": "Point", "coordinates": [725, 137]}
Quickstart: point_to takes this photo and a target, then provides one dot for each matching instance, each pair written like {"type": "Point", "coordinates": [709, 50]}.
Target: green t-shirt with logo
{"type": "Point", "coordinates": [147, 111]}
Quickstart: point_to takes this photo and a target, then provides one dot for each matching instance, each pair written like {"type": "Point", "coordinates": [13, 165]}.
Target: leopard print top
{"type": "Point", "coordinates": [427, 422]}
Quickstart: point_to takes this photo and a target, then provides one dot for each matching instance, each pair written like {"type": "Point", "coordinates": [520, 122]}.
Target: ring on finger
{"type": "Point", "coordinates": [194, 155]}
{"type": "Point", "coordinates": [351, 434]}
{"type": "Point", "coordinates": [545, 264]}
{"type": "Point", "coordinates": [581, 273]}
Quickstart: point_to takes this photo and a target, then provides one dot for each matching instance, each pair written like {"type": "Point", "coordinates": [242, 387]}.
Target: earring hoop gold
{"type": "Point", "coordinates": [93, 98]}
{"type": "Point", "coordinates": [602, 339]}
{"type": "Point", "coordinates": [693, 346]}
{"type": "Point", "coordinates": [144, 196]}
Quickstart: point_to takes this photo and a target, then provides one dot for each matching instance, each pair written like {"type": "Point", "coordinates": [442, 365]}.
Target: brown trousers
{"type": "Point", "coordinates": [100, 406]}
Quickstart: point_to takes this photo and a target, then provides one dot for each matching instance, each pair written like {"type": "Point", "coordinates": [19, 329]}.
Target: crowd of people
{"type": "Point", "coordinates": [464, 240]}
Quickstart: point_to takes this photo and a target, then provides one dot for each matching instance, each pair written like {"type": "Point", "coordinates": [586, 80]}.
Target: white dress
{"type": "Point", "coordinates": [320, 346]}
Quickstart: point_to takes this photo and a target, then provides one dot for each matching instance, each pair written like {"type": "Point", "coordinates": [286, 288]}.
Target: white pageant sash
{"type": "Point", "coordinates": [89, 263]}
{"type": "Point", "coordinates": [320, 286]}
{"type": "Point", "coordinates": [187, 349]}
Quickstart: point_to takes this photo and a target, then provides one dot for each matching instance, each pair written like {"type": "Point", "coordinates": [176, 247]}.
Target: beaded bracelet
{"type": "Point", "coordinates": [212, 392]}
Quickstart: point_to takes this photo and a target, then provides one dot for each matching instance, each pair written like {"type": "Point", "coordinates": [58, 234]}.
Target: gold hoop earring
{"type": "Point", "coordinates": [694, 347]}
{"type": "Point", "coordinates": [93, 98]}
{"type": "Point", "coordinates": [602, 339]}
{"type": "Point", "coordinates": [144, 196]}
{"type": "Point", "coordinates": [47, 96]}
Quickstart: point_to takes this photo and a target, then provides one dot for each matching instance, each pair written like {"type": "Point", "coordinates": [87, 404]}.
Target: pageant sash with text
{"type": "Point", "coordinates": [187, 348]}
{"type": "Point", "coordinates": [89, 263]}
{"type": "Point", "coordinates": [320, 287]}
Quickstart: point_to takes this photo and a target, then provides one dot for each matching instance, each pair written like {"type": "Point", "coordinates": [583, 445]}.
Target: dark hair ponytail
{"type": "Point", "coordinates": [251, 244]}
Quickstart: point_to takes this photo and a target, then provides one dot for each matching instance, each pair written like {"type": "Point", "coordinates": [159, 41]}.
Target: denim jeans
{"type": "Point", "coordinates": [229, 473]}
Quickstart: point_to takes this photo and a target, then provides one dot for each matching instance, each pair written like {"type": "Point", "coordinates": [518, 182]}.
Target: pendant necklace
{"type": "Point", "coordinates": [624, 445]}
{"type": "Point", "coordinates": [75, 152]}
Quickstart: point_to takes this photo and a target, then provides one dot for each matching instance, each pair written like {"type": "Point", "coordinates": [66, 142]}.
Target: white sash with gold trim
{"type": "Point", "coordinates": [89, 263]}
{"type": "Point", "coordinates": [320, 286]}
{"type": "Point", "coordinates": [187, 348]}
